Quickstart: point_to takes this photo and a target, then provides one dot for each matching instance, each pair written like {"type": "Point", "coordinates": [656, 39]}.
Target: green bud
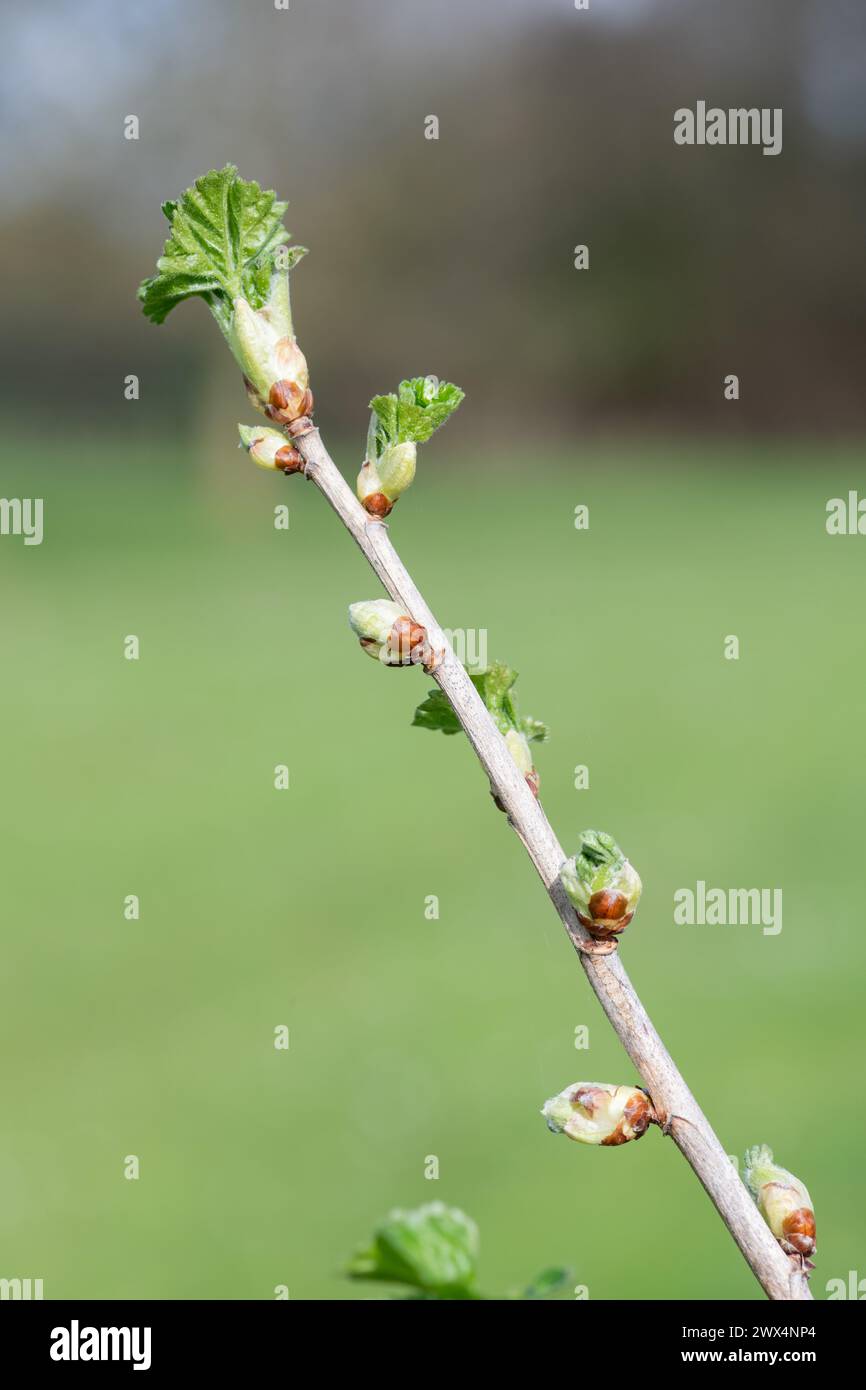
{"type": "Point", "coordinates": [518, 746]}
{"type": "Point", "coordinates": [591, 1112]}
{"type": "Point", "coordinates": [372, 621]}
{"type": "Point", "coordinates": [782, 1200]}
{"type": "Point", "coordinates": [278, 309]}
{"type": "Point", "coordinates": [274, 368]}
{"type": "Point", "coordinates": [382, 480]}
{"type": "Point", "coordinates": [270, 449]}
{"type": "Point", "coordinates": [602, 885]}
{"type": "Point", "coordinates": [399, 422]}
{"type": "Point", "coordinates": [396, 469]}
{"type": "Point", "coordinates": [388, 634]}
{"type": "Point", "coordinates": [369, 491]}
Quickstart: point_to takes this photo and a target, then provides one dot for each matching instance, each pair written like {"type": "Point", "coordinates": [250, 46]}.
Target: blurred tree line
{"type": "Point", "coordinates": [456, 255]}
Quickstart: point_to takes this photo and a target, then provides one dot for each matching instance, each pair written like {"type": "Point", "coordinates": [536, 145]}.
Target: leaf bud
{"type": "Point", "coordinates": [269, 449]}
{"type": "Point", "coordinates": [275, 370]}
{"type": "Point", "coordinates": [369, 490]}
{"type": "Point", "coordinates": [591, 1112]}
{"type": "Point", "coordinates": [382, 481]}
{"type": "Point", "coordinates": [389, 635]}
{"type": "Point", "coordinates": [782, 1200]}
{"type": "Point", "coordinates": [602, 885]}
{"type": "Point", "coordinates": [396, 469]}
{"type": "Point", "coordinates": [518, 746]}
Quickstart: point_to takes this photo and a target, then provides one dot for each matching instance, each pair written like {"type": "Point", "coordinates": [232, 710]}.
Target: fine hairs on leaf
{"type": "Point", "coordinates": [225, 238]}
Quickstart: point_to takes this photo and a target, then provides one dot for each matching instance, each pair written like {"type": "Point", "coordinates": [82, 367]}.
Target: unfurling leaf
{"type": "Point", "coordinates": [496, 688]}
{"type": "Point", "coordinates": [415, 412]}
{"type": "Point", "coordinates": [384, 410]}
{"type": "Point", "coordinates": [398, 424]}
{"type": "Point", "coordinates": [223, 232]}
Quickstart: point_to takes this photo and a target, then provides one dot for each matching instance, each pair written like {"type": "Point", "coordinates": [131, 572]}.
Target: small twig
{"type": "Point", "coordinates": [780, 1277]}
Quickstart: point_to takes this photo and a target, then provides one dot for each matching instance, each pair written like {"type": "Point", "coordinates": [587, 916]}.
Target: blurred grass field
{"type": "Point", "coordinates": [412, 1037]}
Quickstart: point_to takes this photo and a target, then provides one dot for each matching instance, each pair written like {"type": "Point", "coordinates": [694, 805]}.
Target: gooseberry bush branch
{"type": "Point", "coordinates": [671, 1097]}
{"type": "Point", "coordinates": [227, 246]}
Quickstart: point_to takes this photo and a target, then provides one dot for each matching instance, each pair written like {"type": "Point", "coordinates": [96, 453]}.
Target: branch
{"type": "Point", "coordinates": [779, 1275]}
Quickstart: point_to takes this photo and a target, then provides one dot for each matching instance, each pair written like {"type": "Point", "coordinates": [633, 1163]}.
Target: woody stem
{"type": "Point", "coordinates": [689, 1127]}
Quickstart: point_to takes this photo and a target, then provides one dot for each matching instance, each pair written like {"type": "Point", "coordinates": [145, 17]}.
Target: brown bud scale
{"type": "Point", "coordinates": [608, 905]}
{"type": "Point", "coordinates": [590, 1097]}
{"type": "Point", "coordinates": [799, 1230]}
{"type": "Point", "coordinates": [408, 642]}
{"type": "Point", "coordinates": [289, 460]}
{"type": "Point", "coordinates": [640, 1114]}
{"type": "Point", "coordinates": [608, 927]}
{"type": "Point", "coordinates": [287, 401]}
{"type": "Point", "coordinates": [377, 504]}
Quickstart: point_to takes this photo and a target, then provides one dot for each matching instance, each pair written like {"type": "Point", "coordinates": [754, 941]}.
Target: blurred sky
{"type": "Point", "coordinates": [556, 129]}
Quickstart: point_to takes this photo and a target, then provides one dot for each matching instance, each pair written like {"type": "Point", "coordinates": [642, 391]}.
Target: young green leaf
{"type": "Point", "coordinates": [433, 1248]}
{"type": "Point", "coordinates": [223, 232]}
{"type": "Point", "coordinates": [384, 410]}
{"type": "Point", "coordinates": [496, 688]}
{"type": "Point", "coordinates": [436, 712]}
{"type": "Point", "coordinates": [415, 412]}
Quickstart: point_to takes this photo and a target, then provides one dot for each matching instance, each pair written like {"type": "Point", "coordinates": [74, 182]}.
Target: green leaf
{"type": "Point", "coordinates": [433, 1248]}
{"type": "Point", "coordinates": [385, 410]}
{"type": "Point", "coordinates": [424, 405]}
{"type": "Point", "coordinates": [436, 712]}
{"type": "Point", "coordinates": [495, 683]}
{"type": "Point", "coordinates": [496, 688]}
{"type": "Point", "coordinates": [223, 232]}
{"type": "Point", "coordinates": [415, 412]}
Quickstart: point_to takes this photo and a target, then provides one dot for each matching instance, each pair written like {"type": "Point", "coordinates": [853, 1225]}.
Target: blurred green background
{"type": "Point", "coordinates": [411, 1037]}
{"type": "Point", "coordinates": [305, 908]}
